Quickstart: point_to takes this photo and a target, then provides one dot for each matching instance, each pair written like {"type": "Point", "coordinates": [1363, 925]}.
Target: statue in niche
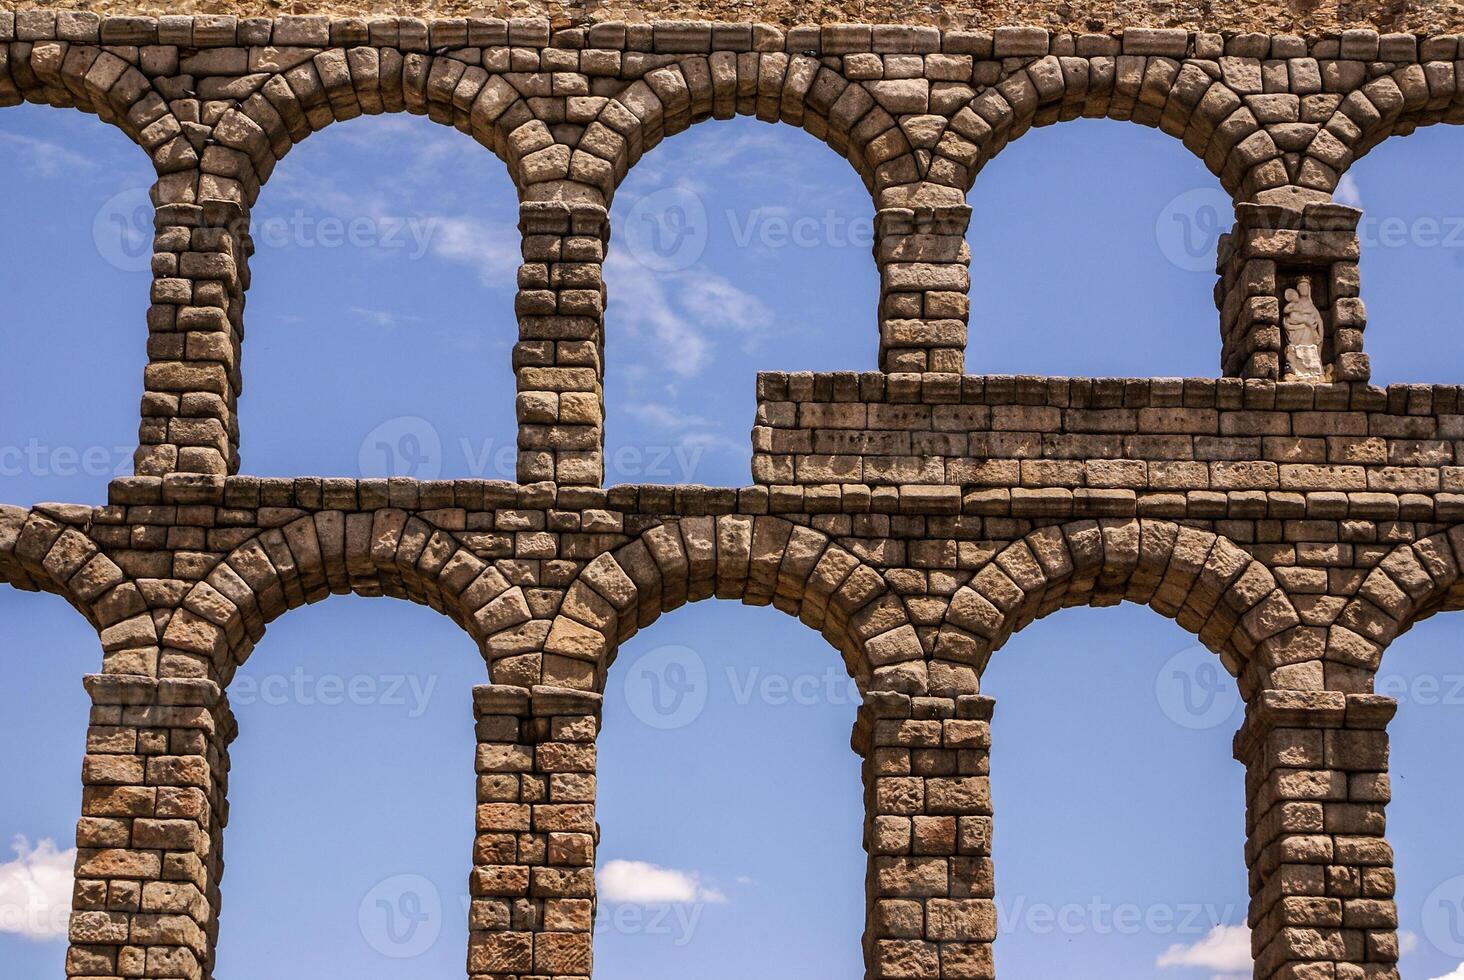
{"type": "Point", "coordinates": [1303, 326]}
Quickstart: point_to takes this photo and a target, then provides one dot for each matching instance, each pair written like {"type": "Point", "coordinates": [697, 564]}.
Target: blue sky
{"type": "Point", "coordinates": [379, 330]}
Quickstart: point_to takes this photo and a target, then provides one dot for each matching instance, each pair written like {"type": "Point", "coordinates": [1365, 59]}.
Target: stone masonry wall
{"type": "Point", "coordinates": [1293, 517]}
{"type": "Point", "coordinates": [1269, 16]}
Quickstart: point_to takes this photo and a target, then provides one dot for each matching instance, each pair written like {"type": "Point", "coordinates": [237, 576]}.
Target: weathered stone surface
{"type": "Point", "coordinates": [1293, 517]}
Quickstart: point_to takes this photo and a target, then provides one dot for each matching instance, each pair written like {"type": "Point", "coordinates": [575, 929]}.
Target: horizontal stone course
{"type": "Point", "coordinates": [674, 37]}
{"type": "Point", "coordinates": [1359, 29]}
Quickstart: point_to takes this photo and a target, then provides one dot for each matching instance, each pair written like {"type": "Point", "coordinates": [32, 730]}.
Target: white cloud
{"type": "Point", "coordinates": [1455, 974]}
{"type": "Point", "coordinates": [641, 883]}
{"type": "Point", "coordinates": [489, 247]}
{"type": "Point", "coordinates": [35, 890]}
{"type": "Point", "coordinates": [1348, 192]}
{"type": "Point", "coordinates": [716, 301]}
{"type": "Point", "coordinates": [1407, 942]}
{"type": "Point", "coordinates": [1225, 949]}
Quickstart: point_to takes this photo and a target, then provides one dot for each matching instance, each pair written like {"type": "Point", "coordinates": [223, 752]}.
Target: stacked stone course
{"type": "Point", "coordinates": [1293, 517]}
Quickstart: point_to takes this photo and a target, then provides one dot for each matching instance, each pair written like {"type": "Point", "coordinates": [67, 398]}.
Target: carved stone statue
{"type": "Point", "coordinates": [1302, 322]}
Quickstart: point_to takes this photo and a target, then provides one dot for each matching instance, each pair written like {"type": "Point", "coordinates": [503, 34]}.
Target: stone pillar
{"type": "Point", "coordinates": [1321, 874]}
{"type": "Point", "coordinates": [195, 326]}
{"type": "Point", "coordinates": [533, 883]}
{"type": "Point", "coordinates": [559, 359]}
{"type": "Point", "coordinates": [931, 910]}
{"type": "Point", "coordinates": [148, 860]}
{"type": "Point", "coordinates": [924, 286]}
{"type": "Point", "coordinates": [1287, 276]}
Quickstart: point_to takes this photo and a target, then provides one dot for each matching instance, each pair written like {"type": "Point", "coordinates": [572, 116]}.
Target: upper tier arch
{"type": "Point", "coordinates": [97, 81]}
{"type": "Point", "coordinates": [1413, 582]}
{"type": "Point", "coordinates": [307, 90]}
{"type": "Point", "coordinates": [1392, 104]}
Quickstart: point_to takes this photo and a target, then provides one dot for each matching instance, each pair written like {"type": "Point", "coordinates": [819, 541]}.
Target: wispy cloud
{"type": "Point", "coordinates": [488, 247]}
{"type": "Point", "coordinates": [386, 319]}
{"type": "Point", "coordinates": [721, 154]}
{"type": "Point", "coordinates": [692, 434]}
{"type": "Point", "coordinates": [682, 312]}
{"type": "Point", "coordinates": [641, 883]}
{"type": "Point", "coordinates": [667, 417]}
{"type": "Point", "coordinates": [1348, 192]}
{"type": "Point", "coordinates": [46, 158]}
{"type": "Point", "coordinates": [35, 890]}
{"type": "Point", "coordinates": [1225, 949]}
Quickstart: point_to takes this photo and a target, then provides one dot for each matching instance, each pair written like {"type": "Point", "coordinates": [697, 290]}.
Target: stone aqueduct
{"type": "Point", "coordinates": [1291, 515]}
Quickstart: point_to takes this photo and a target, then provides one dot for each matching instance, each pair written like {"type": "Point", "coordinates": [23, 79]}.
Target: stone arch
{"type": "Point", "coordinates": [309, 89]}
{"type": "Point", "coordinates": [47, 549]}
{"type": "Point", "coordinates": [758, 560]}
{"type": "Point", "coordinates": [773, 86]}
{"type": "Point", "coordinates": [382, 553]}
{"type": "Point", "coordinates": [1188, 99]}
{"type": "Point", "coordinates": [101, 82]}
{"type": "Point", "coordinates": [1413, 582]}
{"type": "Point", "coordinates": [1394, 104]}
{"type": "Point", "coordinates": [1209, 585]}
{"type": "Point", "coordinates": [97, 81]}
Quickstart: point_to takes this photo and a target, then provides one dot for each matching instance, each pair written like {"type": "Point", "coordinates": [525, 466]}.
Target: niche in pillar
{"type": "Point", "coordinates": [1288, 294]}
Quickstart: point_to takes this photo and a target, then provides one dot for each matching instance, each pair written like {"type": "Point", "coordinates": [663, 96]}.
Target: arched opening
{"type": "Point", "coordinates": [75, 277]}
{"type": "Point", "coordinates": [47, 648]}
{"type": "Point", "coordinates": [1119, 826]}
{"type": "Point", "coordinates": [353, 771]}
{"type": "Point", "coordinates": [1421, 671]}
{"type": "Point", "coordinates": [380, 322]}
{"type": "Point", "coordinates": [730, 803]}
{"type": "Point", "coordinates": [1093, 250]}
{"type": "Point", "coordinates": [738, 247]}
{"type": "Point", "coordinates": [1412, 239]}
